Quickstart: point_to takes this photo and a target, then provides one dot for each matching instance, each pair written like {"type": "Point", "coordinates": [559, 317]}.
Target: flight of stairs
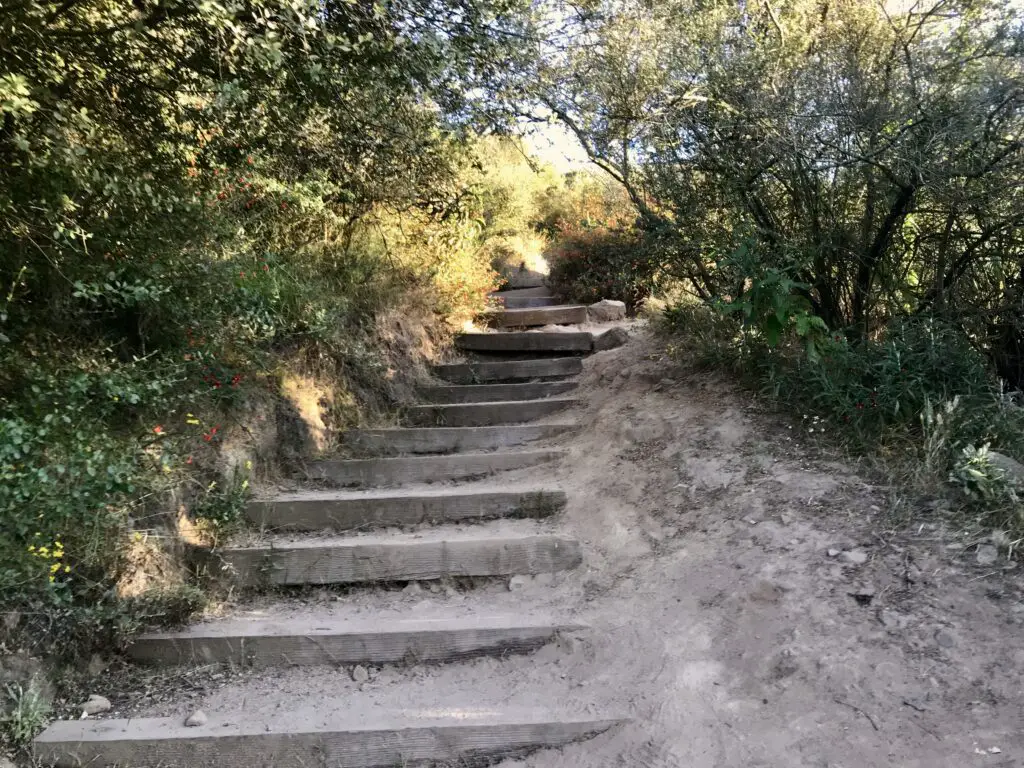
{"type": "Point", "coordinates": [425, 479]}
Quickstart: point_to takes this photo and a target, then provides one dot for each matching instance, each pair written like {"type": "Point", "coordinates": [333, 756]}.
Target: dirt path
{"type": "Point", "coordinates": [750, 606]}
{"type": "Point", "coordinates": [747, 605]}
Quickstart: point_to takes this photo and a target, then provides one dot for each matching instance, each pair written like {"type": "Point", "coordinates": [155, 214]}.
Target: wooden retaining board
{"type": "Point", "coordinates": [490, 393]}
{"type": "Point", "coordinates": [525, 341]}
{"type": "Point", "coordinates": [424, 469]}
{"type": "Point", "coordinates": [486, 414]}
{"type": "Point", "coordinates": [394, 441]}
{"type": "Point", "coordinates": [525, 302]}
{"type": "Point", "coordinates": [399, 558]}
{"type": "Point", "coordinates": [509, 371]}
{"type": "Point", "coordinates": [220, 743]}
{"type": "Point", "coordinates": [511, 293]}
{"type": "Point", "coordinates": [353, 511]}
{"type": "Point", "coordinates": [306, 642]}
{"type": "Point", "coordinates": [557, 315]}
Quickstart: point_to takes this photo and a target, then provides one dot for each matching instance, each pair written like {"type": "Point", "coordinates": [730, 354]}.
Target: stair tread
{"type": "Point", "coordinates": [318, 735]}
{"type": "Point", "coordinates": [492, 531]}
{"type": "Point", "coordinates": [322, 623]}
{"type": "Point", "coordinates": [498, 371]}
{"type": "Point", "coordinates": [396, 460]}
{"type": "Point", "coordinates": [427, 491]}
{"type": "Point", "coordinates": [496, 403]}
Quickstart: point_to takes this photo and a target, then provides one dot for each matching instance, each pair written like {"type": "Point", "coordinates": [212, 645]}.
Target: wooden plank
{"type": "Point", "coordinates": [486, 414]}
{"type": "Point", "coordinates": [558, 315]}
{"type": "Point", "coordinates": [351, 511]}
{"type": "Point", "coordinates": [389, 442]}
{"type": "Point", "coordinates": [525, 341]}
{"type": "Point", "coordinates": [399, 558]}
{"type": "Point", "coordinates": [424, 469]}
{"type": "Point", "coordinates": [490, 393]}
{"type": "Point", "coordinates": [511, 293]}
{"type": "Point", "coordinates": [524, 302]}
{"type": "Point", "coordinates": [305, 642]}
{"type": "Point", "coordinates": [229, 743]}
{"type": "Point", "coordinates": [511, 370]}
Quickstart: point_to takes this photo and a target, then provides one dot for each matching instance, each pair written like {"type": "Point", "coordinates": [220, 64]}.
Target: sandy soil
{"type": "Point", "coordinates": [749, 601]}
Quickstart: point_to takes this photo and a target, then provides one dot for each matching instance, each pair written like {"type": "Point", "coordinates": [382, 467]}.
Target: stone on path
{"type": "Point", "coordinates": [196, 719]}
{"type": "Point", "coordinates": [607, 310]}
{"type": "Point", "coordinates": [96, 704]}
{"type": "Point", "coordinates": [610, 339]}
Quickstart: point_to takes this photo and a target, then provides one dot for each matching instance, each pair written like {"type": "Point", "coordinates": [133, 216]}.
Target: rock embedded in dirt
{"type": "Point", "coordinates": [986, 554]}
{"type": "Point", "coordinates": [610, 339]}
{"type": "Point", "coordinates": [518, 582]}
{"type": "Point", "coordinates": [196, 719]}
{"type": "Point", "coordinates": [413, 588]}
{"type": "Point", "coordinates": [96, 704]}
{"type": "Point", "coordinates": [945, 639]}
{"type": "Point", "coordinates": [360, 674]}
{"type": "Point", "coordinates": [833, 553]}
{"type": "Point", "coordinates": [855, 557]}
{"type": "Point", "coordinates": [606, 310]}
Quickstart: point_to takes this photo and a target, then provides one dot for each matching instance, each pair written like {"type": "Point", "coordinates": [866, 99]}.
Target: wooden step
{"type": "Point", "coordinates": [525, 341]}
{"type": "Point", "coordinates": [427, 555]}
{"type": "Point", "coordinates": [487, 414]}
{"type": "Point", "coordinates": [390, 442]}
{"type": "Point", "coordinates": [424, 469]}
{"type": "Point", "coordinates": [510, 371]}
{"type": "Point", "coordinates": [363, 510]}
{"type": "Point", "coordinates": [540, 292]}
{"type": "Point", "coordinates": [558, 315]}
{"type": "Point", "coordinates": [308, 641]}
{"type": "Point", "coordinates": [525, 302]}
{"type": "Point", "coordinates": [307, 738]}
{"type": "Point", "coordinates": [490, 393]}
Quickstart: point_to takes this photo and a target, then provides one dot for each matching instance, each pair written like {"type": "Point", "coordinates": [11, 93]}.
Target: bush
{"type": "Point", "coordinates": [920, 394]}
{"type": "Point", "coordinates": [590, 263]}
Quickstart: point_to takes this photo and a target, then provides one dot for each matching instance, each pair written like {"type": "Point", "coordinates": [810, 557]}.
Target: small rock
{"type": "Point", "coordinates": [833, 553]}
{"type": "Point", "coordinates": [96, 665]}
{"type": "Point", "coordinates": [863, 595]}
{"type": "Point", "coordinates": [452, 593]}
{"type": "Point", "coordinates": [1013, 470]}
{"type": "Point", "coordinates": [945, 639]}
{"type": "Point", "coordinates": [196, 719]}
{"type": "Point", "coordinates": [360, 674]}
{"type": "Point", "coordinates": [96, 704]}
{"type": "Point", "coordinates": [855, 556]}
{"type": "Point", "coordinates": [517, 583]}
{"type": "Point", "coordinates": [986, 554]}
{"type": "Point", "coordinates": [606, 310]}
{"type": "Point", "coordinates": [610, 339]}
{"type": "Point", "coordinates": [434, 588]}
{"type": "Point", "coordinates": [413, 588]}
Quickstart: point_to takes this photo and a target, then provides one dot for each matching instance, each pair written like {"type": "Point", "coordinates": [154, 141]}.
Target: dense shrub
{"type": "Point", "coordinates": [590, 263]}
{"type": "Point", "coordinates": [920, 394]}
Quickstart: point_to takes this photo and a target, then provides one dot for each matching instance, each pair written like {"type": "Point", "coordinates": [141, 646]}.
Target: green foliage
{"type": "Point", "coordinates": [979, 477]}
{"type": "Point", "coordinates": [26, 713]}
{"type": "Point", "coordinates": [222, 502]}
{"type": "Point", "coordinates": [774, 305]}
{"type": "Point", "coordinates": [600, 262]}
{"type": "Point", "coordinates": [871, 155]}
{"type": "Point", "coordinates": [189, 195]}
